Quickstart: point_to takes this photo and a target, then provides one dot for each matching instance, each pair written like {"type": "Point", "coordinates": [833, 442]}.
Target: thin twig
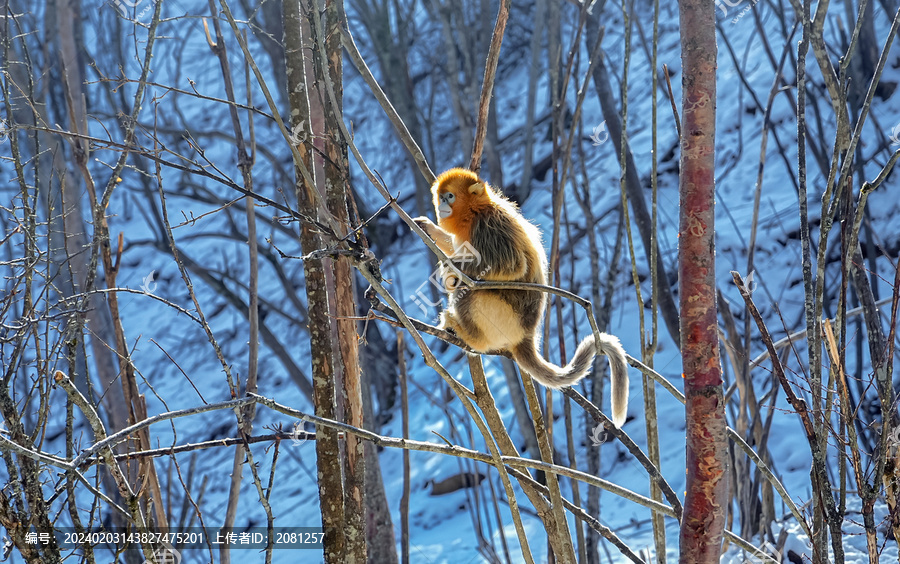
{"type": "Point", "coordinates": [403, 133]}
{"type": "Point", "coordinates": [819, 467]}
{"type": "Point", "coordinates": [672, 100]}
{"type": "Point", "coordinates": [454, 450]}
{"type": "Point", "coordinates": [487, 86]}
{"type": "Point", "coordinates": [120, 436]}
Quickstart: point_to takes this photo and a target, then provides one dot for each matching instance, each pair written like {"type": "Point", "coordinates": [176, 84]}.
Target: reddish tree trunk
{"type": "Point", "coordinates": [703, 522]}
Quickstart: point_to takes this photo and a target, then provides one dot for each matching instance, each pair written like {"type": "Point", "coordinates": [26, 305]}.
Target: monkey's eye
{"type": "Point", "coordinates": [448, 197]}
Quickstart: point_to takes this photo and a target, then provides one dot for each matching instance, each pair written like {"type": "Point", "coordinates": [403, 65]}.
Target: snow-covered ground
{"type": "Point", "coordinates": [441, 527]}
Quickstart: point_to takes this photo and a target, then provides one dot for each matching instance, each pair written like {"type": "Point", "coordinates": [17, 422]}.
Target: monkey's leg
{"type": "Point", "coordinates": [485, 321]}
{"type": "Point", "coordinates": [448, 321]}
{"type": "Point", "coordinates": [465, 330]}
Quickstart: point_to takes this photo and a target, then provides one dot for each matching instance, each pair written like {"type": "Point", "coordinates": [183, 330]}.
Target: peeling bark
{"type": "Point", "coordinates": [703, 521]}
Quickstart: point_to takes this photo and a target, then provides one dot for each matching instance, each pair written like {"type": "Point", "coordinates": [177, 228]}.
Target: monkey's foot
{"type": "Point", "coordinates": [448, 322]}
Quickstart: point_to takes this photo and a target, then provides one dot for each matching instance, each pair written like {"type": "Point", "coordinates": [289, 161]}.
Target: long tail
{"type": "Point", "coordinates": [618, 368]}
{"type": "Point", "coordinates": [552, 376]}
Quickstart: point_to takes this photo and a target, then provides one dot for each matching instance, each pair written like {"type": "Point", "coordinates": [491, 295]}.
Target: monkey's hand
{"type": "Point", "coordinates": [425, 225]}
{"type": "Point", "coordinates": [440, 237]}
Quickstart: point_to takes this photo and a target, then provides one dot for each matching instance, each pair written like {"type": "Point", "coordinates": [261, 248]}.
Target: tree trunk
{"type": "Point", "coordinates": [382, 549]}
{"type": "Point", "coordinates": [331, 490]}
{"type": "Point", "coordinates": [346, 346]}
{"type": "Point", "coordinates": [703, 522]}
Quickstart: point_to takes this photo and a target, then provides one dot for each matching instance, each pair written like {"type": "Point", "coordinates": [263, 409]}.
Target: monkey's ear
{"type": "Point", "coordinates": [477, 188]}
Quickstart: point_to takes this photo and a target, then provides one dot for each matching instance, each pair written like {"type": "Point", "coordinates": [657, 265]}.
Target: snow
{"type": "Point", "coordinates": [442, 527]}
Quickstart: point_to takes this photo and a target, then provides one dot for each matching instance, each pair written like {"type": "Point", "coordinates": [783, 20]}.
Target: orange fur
{"type": "Point", "coordinates": [458, 180]}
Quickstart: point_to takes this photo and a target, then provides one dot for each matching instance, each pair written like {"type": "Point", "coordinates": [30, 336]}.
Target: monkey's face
{"type": "Point", "coordinates": [445, 208]}
{"type": "Point", "coordinates": [458, 198]}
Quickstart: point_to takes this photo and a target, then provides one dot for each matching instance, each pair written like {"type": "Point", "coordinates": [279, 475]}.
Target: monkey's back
{"type": "Point", "coordinates": [510, 250]}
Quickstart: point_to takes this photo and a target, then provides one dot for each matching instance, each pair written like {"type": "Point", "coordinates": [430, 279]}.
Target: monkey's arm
{"type": "Point", "coordinates": [441, 238]}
